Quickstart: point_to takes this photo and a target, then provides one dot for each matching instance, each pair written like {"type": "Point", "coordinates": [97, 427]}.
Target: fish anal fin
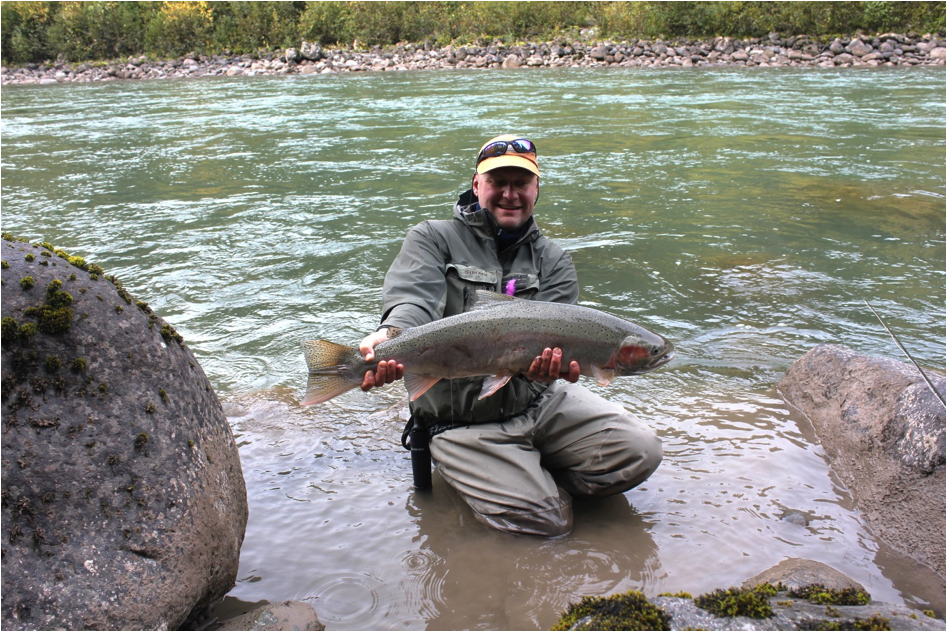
{"type": "Point", "coordinates": [603, 376]}
{"type": "Point", "coordinates": [492, 384]}
{"type": "Point", "coordinates": [417, 385]}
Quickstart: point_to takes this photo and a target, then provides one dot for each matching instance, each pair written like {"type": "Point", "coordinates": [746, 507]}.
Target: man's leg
{"type": "Point", "coordinates": [496, 469]}
{"type": "Point", "coordinates": [593, 447]}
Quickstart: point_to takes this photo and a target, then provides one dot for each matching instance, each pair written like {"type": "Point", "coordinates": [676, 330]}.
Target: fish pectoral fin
{"type": "Point", "coordinates": [492, 384]}
{"type": "Point", "coordinates": [417, 385]}
{"type": "Point", "coordinates": [602, 376]}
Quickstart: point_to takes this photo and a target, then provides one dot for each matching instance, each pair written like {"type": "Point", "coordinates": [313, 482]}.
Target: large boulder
{"type": "Point", "coordinates": [123, 501]}
{"type": "Point", "coordinates": [883, 430]}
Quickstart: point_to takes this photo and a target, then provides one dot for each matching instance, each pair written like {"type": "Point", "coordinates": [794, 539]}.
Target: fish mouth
{"type": "Point", "coordinates": [660, 361]}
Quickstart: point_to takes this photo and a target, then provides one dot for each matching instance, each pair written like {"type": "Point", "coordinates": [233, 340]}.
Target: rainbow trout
{"type": "Point", "coordinates": [498, 337]}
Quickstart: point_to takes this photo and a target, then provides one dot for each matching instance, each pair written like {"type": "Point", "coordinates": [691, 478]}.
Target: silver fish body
{"type": "Point", "coordinates": [499, 338]}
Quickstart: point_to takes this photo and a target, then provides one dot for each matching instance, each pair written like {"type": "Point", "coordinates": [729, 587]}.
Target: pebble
{"type": "Point", "coordinates": [890, 49]}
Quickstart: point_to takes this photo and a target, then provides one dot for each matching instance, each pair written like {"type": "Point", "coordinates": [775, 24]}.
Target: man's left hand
{"type": "Point", "coordinates": [547, 368]}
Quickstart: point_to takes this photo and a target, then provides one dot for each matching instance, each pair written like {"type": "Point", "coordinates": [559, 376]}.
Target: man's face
{"type": "Point", "coordinates": [508, 194]}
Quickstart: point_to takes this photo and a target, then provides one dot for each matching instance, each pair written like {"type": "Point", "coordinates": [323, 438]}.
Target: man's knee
{"type": "Point", "coordinates": [629, 457]}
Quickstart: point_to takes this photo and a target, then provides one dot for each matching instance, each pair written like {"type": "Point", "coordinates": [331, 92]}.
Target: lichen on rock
{"type": "Point", "coordinates": [110, 519]}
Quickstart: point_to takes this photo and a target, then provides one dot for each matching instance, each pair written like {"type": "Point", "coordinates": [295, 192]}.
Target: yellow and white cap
{"type": "Point", "coordinates": [508, 150]}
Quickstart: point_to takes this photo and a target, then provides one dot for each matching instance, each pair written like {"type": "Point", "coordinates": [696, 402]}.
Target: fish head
{"type": "Point", "coordinates": [642, 352]}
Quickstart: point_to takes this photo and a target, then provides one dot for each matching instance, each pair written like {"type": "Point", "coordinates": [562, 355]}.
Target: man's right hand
{"type": "Point", "coordinates": [385, 372]}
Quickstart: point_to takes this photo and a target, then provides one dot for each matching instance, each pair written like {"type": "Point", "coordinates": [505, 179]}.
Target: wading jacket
{"type": "Point", "coordinates": [441, 264]}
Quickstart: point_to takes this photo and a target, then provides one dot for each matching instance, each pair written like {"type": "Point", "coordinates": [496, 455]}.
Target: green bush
{"type": "Point", "coordinates": [100, 30]}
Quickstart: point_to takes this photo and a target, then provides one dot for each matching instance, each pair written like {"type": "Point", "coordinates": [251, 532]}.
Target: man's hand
{"type": "Point", "coordinates": [385, 372]}
{"type": "Point", "coordinates": [548, 368]}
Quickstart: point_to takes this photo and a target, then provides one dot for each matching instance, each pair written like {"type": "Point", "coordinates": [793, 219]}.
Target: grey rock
{"type": "Point", "coordinates": [599, 53]}
{"type": "Point", "coordinates": [938, 53]}
{"type": "Point", "coordinates": [793, 614]}
{"type": "Point", "coordinates": [739, 55]}
{"type": "Point", "coordinates": [883, 430]}
{"type": "Point", "coordinates": [836, 46]}
{"type": "Point", "coordinates": [795, 573]}
{"type": "Point", "coordinates": [123, 500]}
{"type": "Point", "coordinates": [286, 615]}
{"type": "Point", "coordinates": [512, 61]}
{"type": "Point", "coordinates": [859, 48]}
{"type": "Point", "coordinates": [312, 52]}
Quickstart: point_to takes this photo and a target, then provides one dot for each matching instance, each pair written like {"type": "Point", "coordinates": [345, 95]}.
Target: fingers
{"type": "Point", "coordinates": [367, 346]}
{"type": "Point", "coordinates": [548, 367]}
{"type": "Point", "coordinates": [384, 373]}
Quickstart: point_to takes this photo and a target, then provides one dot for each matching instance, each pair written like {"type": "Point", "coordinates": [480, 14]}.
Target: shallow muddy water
{"type": "Point", "coordinates": [745, 214]}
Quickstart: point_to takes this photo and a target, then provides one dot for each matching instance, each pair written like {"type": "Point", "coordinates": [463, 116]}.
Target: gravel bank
{"type": "Point", "coordinates": [890, 49]}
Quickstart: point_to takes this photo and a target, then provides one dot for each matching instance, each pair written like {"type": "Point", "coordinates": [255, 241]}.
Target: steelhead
{"type": "Point", "coordinates": [498, 337]}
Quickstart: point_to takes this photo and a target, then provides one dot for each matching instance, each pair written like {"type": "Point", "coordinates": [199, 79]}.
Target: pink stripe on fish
{"type": "Point", "coordinates": [510, 287]}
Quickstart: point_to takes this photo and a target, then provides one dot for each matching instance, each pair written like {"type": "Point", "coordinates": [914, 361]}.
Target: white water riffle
{"type": "Point", "coordinates": [744, 214]}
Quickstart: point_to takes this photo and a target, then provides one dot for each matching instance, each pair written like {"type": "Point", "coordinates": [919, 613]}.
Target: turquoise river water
{"type": "Point", "coordinates": [745, 214]}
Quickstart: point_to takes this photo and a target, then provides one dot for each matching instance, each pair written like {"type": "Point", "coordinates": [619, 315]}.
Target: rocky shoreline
{"type": "Point", "coordinates": [889, 49]}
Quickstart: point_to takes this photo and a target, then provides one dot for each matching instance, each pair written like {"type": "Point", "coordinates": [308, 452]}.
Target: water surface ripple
{"type": "Point", "coordinates": [745, 214]}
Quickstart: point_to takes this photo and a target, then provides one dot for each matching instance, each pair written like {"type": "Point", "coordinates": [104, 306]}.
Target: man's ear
{"type": "Point", "coordinates": [475, 183]}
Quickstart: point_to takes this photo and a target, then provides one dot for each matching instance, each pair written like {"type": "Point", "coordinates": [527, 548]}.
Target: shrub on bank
{"type": "Point", "coordinates": [99, 30]}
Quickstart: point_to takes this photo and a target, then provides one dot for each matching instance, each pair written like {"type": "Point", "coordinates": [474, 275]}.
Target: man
{"type": "Point", "coordinates": [518, 456]}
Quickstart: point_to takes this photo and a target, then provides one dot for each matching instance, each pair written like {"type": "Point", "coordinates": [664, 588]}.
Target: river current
{"type": "Point", "coordinates": [745, 214]}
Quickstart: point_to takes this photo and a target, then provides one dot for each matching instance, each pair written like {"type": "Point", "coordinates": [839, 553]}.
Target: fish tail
{"type": "Point", "coordinates": [329, 373]}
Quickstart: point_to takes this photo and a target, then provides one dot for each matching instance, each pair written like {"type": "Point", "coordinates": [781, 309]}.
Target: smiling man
{"type": "Point", "coordinates": [518, 456]}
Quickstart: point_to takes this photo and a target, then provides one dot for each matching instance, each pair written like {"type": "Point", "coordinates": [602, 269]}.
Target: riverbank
{"type": "Point", "coordinates": [890, 49]}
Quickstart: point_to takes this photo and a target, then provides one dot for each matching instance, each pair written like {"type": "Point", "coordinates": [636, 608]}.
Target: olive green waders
{"type": "Point", "coordinates": [519, 475]}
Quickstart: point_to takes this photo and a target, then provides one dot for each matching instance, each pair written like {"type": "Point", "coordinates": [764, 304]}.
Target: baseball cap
{"type": "Point", "coordinates": [508, 150]}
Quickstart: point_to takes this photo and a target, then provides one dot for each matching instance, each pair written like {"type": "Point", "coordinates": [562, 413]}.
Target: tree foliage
{"type": "Point", "coordinates": [99, 30]}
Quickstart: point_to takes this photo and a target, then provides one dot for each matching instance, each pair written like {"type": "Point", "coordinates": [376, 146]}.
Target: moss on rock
{"type": "Point", "coordinates": [819, 594]}
{"type": "Point", "coordinates": [739, 602]}
{"type": "Point", "coordinates": [628, 611]}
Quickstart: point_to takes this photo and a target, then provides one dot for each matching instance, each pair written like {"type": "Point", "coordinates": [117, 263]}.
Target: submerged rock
{"type": "Point", "coordinates": [123, 500]}
{"type": "Point", "coordinates": [286, 615]}
{"type": "Point", "coordinates": [794, 573]}
{"type": "Point", "coordinates": [884, 431]}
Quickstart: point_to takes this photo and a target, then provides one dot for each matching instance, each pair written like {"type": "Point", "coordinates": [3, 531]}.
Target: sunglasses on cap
{"type": "Point", "coordinates": [499, 148]}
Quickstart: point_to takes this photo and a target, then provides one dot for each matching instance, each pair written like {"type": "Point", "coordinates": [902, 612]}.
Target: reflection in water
{"type": "Point", "coordinates": [476, 577]}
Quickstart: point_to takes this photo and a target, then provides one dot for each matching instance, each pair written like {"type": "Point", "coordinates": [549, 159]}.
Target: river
{"type": "Point", "coordinates": [745, 214]}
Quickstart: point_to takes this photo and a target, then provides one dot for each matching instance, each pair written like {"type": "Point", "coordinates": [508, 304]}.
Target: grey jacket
{"type": "Point", "coordinates": [441, 263]}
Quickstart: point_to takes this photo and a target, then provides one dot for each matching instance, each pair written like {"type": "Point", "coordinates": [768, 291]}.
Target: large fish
{"type": "Point", "coordinates": [499, 337]}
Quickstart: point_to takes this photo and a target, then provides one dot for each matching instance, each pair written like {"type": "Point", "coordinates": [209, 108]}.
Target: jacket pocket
{"type": "Point", "coordinates": [463, 281]}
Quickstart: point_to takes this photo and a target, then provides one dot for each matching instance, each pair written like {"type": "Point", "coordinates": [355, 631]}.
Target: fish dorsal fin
{"type": "Point", "coordinates": [394, 332]}
{"type": "Point", "coordinates": [485, 299]}
{"type": "Point", "coordinates": [492, 384]}
{"type": "Point", "coordinates": [417, 385]}
{"type": "Point", "coordinates": [602, 376]}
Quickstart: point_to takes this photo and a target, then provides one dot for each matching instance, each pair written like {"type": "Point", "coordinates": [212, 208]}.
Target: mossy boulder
{"type": "Point", "coordinates": [123, 501]}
